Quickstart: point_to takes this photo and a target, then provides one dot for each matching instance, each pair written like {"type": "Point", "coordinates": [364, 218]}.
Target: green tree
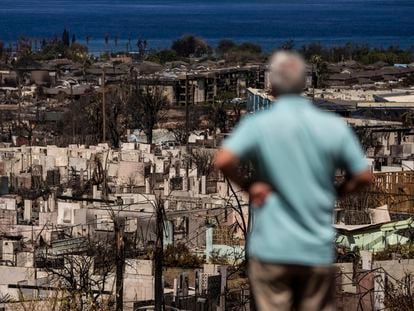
{"type": "Point", "coordinates": [65, 38]}
{"type": "Point", "coordinates": [163, 56]}
{"type": "Point", "coordinates": [179, 255]}
{"type": "Point", "coordinates": [1, 49]}
{"type": "Point", "coordinates": [320, 69]}
{"type": "Point", "coordinates": [287, 45]}
{"type": "Point", "coordinates": [250, 47]}
{"type": "Point", "coordinates": [225, 46]}
{"type": "Point", "coordinates": [77, 52]}
{"type": "Point", "coordinates": [218, 259]}
{"type": "Point", "coordinates": [190, 45]}
{"type": "Point", "coordinates": [142, 47]}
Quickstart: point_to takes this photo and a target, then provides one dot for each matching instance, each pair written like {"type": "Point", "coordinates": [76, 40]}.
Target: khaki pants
{"type": "Point", "coordinates": [279, 287]}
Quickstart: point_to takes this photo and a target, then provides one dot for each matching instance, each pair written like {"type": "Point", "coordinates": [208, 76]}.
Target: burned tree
{"type": "Point", "coordinates": [116, 108]}
{"type": "Point", "coordinates": [84, 118]}
{"type": "Point", "coordinates": [203, 161]}
{"type": "Point", "coordinates": [82, 123]}
{"type": "Point", "coordinates": [182, 130]}
{"type": "Point", "coordinates": [217, 116]}
{"type": "Point", "coordinates": [159, 253]}
{"type": "Point", "coordinates": [145, 109]}
{"type": "Point", "coordinates": [81, 274]}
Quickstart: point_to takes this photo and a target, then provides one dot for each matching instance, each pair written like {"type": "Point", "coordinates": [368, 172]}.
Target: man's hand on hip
{"type": "Point", "coordinates": [259, 191]}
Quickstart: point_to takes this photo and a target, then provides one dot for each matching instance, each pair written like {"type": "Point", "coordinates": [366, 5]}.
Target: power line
{"type": "Point", "coordinates": [203, 231]}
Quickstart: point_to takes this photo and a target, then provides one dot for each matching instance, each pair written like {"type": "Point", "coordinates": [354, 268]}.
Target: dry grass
{"type": "Point", "coordinates": [59, 301]}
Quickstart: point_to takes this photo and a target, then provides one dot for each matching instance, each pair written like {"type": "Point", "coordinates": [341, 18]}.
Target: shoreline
{"type": "Point", "coordinates": [97, 46]}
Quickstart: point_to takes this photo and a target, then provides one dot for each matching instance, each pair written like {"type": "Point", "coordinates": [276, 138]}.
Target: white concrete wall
{"type": "Point", "coordinates": [66, 214]}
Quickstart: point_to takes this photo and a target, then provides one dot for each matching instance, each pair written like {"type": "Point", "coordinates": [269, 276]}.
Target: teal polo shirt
{"type": "Point", "coordinates": [296, 148]}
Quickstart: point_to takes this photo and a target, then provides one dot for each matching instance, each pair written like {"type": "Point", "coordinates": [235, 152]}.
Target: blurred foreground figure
{"type": "Point", "coordinates": [295, 150]}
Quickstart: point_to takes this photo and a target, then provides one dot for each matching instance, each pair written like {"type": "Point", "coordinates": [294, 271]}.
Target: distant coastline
{"type": "Point", "coordinates": [379, 23]}
{"type": "Point", "coordinates": [97, 46]}
{"type": "Point", "coordinates": [189, 48]}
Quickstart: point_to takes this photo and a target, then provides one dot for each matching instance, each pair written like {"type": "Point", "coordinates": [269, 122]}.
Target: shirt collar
{"type": "Point", "coordinates": [291, 100]}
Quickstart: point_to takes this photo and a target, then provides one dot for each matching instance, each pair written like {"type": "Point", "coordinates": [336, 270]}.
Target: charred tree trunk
{"type": "Point", "coordinates": [158, 260]}
{"type": "Point", "coordinates": [120, 263]}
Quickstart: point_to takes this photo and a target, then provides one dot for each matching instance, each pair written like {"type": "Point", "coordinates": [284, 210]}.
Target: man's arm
{"type": "Point", "coordinates": [353, 161]}
{"type": "Point", "coordinates": [241, 146]}
{"type": "Point", "coordinates": [228, 163]}
{"type": "Point", "coordinates": [354, 183]}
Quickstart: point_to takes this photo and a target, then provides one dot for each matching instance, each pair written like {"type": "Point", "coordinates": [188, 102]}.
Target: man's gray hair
{"type": "Point", "coordinates": [287, 73]}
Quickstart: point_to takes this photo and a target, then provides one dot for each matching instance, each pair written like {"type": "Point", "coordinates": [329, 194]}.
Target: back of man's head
{"type": "Point", "coordinates": [287, 73]}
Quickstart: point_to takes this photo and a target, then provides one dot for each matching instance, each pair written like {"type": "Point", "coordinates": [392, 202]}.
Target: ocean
{"type": "Point", "coordinates": [267, 22]}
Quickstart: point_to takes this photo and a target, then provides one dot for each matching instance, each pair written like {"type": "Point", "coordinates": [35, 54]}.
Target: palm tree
{"type": "Point", "coordinates": [106, 38]}
{"type": "Point", "coordinates": [318, 69]}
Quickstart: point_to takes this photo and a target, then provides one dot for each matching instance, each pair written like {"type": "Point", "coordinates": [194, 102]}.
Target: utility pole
{"type": "Point", "coordinates": [20, 103]}
{"type": "Point", "coordinates": [187, 129]}
{"type": "Point", "coordinates": [313, 82]}
{"type": "Point", "coordinates": [119, 227]}
{"type": "Point", "coordinates": [158, 256]}
{"type": "Point", "coordinates": [103, 107]}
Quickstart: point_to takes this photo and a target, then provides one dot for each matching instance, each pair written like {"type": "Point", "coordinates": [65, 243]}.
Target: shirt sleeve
{"type": "Point", "coordinates": [351, 155]}
{"type": "Point", "coordinates": [242, 142]}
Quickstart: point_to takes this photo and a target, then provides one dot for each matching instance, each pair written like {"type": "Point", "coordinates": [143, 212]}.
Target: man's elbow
{"type": "Point", "coordinates": [219, 162]}
{"type": "Point", "coordinates": [363, 179]}
{"type": "Point", "coordinates": [224, 160]}
{"type": "Point", "coordinates": [366, 178]}
{"type": "Point", "coordinates": [355, 183]}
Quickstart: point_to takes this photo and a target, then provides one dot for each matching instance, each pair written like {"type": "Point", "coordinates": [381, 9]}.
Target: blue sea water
{"type": "Point", "coordinates": [267, 22]}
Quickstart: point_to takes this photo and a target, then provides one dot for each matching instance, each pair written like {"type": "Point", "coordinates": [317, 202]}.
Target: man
{"type": "Point", "coordinates": [295, 150]}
